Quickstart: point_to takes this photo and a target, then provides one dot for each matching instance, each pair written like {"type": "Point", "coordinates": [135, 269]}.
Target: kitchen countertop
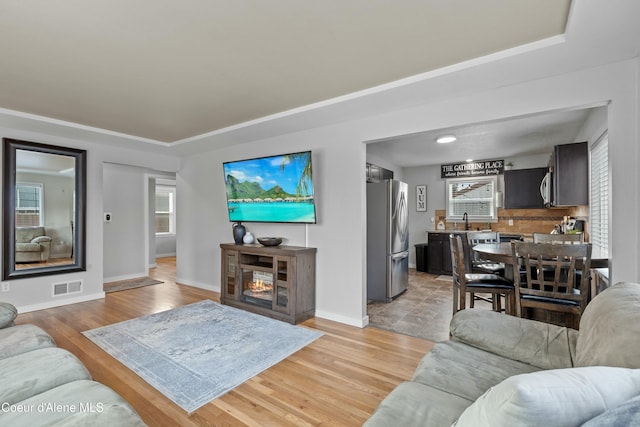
{"type": "Point", "coordinates": [502, 234]}
{"type": "Point", "coordinates": [473, 231]}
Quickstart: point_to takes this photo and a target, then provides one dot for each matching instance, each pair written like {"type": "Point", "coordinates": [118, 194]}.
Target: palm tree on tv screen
{"type": "Point", "coordinates": [305, 176]}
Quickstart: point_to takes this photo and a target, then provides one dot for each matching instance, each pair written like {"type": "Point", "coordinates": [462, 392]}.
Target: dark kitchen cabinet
{"type": "Point", "coordinates": [569, 167]}
{"type": "Point", "coordinates": [376, 173]}
{"type": "Point", "coordinates": [522, 188]}
{"type": "Point", "coordinates": [439, 253]}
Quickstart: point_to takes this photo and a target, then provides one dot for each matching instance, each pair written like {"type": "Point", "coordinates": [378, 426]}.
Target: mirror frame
{"type": "Point", "coordinates": [9, 271]}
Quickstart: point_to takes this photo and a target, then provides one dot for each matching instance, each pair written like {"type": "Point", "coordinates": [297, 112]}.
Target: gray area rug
{"type": "Point", "coordinates": [196, 353]}
{"type": "Point", "coordinates": [122, 285]}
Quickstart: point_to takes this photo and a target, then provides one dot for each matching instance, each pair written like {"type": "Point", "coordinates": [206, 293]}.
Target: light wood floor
{"type": "Point", "coordinates": [337, 380]}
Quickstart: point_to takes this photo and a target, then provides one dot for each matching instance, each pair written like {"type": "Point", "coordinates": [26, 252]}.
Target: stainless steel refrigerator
{"type": "Point", "coordinates": [387, 240]}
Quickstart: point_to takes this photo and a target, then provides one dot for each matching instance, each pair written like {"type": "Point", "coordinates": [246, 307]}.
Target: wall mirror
{"type": "Point", "coordinates": [44, 207]}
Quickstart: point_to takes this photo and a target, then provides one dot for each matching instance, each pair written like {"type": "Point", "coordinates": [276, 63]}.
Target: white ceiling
{"type": "Point", "coordinates": [44, 163]}
{"type": "Point", "coordinates": [514, 137]}
{"type": "Point", "coordinates": [166, 71]}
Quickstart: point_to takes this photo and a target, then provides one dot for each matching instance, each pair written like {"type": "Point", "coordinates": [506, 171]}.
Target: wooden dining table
{"type": "Point", "coordinates": [501, 252]}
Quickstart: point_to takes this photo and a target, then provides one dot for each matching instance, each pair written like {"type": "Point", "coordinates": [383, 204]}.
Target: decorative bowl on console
{"type": "Point", "coordinates": [270, 241]}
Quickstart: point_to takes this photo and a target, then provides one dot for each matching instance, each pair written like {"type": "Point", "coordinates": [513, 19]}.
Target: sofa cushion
{"type": "Point", "coordinates": [535, 343]}
{"type": "Point", "coordinates": [610, 328]}
{"type": "Point", "coordinates": [8, 314]}
{"type": "Point", "coordinates": [28, 247]}
{"type": "Point", "coordinates": [31, 373]}
{"type": "Point", "coordinates": [73, 402]}
{"type": "Point", "coordinates": [23, 338]}
{"type": "Point", "coordinates": [464, 370]}
{"type": "Point", "coordinates": [415, 404]}
{"type": "Point", "coordinates": [558, 397]}
{"type": "Point", "coordinates": [624, 415]}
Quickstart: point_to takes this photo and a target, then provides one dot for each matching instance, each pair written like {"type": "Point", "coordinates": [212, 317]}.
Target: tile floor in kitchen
{"type": "Point", "coordinates": [423, 311]}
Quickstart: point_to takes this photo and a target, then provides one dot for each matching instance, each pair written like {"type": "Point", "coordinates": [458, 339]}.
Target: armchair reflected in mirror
{"type": "Point", "coordinates": [44, 200]}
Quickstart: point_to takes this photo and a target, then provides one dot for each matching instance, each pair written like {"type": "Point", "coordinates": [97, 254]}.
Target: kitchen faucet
{"type": "Point", "coordinates": [465, 217]}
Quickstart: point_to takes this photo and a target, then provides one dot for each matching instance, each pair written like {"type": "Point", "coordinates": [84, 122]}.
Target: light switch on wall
{"type": "Point", "coordinates": [107, 217]}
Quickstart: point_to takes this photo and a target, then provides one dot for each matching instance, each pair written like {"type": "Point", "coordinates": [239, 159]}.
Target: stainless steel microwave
{"type": "Point", "coordinates": [545, 189]}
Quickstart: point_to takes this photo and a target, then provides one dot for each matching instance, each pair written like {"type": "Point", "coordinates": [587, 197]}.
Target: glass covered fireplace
{"type": "Point", "coordinates": [257, 288]}
{"type": "Point", "coordinates": [260, 277]}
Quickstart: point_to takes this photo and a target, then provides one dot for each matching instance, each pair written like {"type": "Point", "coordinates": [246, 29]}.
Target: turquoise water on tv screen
{"type": "Point", "coordinates": [272, 211]}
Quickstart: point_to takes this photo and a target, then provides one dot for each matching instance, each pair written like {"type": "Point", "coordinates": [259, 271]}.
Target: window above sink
{"type": "Point", "coordinates": [474, 196]}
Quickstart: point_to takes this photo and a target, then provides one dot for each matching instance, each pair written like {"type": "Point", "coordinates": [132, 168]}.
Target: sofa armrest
{"type": "Point", "coordinates": [536, 343]}
{"type": "Point", "coordinates": [8, 313]}
{"type": "Point", "coordinates": [41, 239]}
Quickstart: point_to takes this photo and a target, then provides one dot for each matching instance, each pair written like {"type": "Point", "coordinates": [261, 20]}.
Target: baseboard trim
{"type": "Point", "coordinates": [59, 302]}
{"type": "Point", "coordinates": [125, 277]}
{"type": "Point", "coordinates": [358, 323]}
{"type": "Point", "coordinates": [202, 285]}
{"type": "Point", "coordinates": [168, 254]}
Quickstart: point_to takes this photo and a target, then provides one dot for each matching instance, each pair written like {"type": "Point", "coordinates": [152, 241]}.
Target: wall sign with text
{"type": "Point", "coordinates": [421, 198]}
{"type": "Point", "coordinates": [471, 169]}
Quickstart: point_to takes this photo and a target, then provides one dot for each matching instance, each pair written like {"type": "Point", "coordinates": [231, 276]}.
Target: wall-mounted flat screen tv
{"type": "Point", "coordinates": [271, 189]}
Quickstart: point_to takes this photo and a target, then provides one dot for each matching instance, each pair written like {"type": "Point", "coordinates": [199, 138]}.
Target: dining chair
{"type": "Point", "coordinates": [471, 283]}
{"type": "Point", "coordinates": [567, 239]}
{"type": "Point", "coordinates": [479, 265]}
{"type": "Point", "coordinates": [560, 239]}
{"type": "Point", "coordinates": [564, 291]}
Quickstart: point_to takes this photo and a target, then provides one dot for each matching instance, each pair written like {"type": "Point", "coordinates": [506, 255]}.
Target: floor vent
{"type": "Point", "coordinates": [74, 287]}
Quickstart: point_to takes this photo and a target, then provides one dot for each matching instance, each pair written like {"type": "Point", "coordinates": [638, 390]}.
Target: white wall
{"type": "Point", "coordinates": [129, 195]}
{"type": "Point", "coordinates": [338, 168]}
{"type": "Point", "coordinates": [337, 164]}
{"type": "Point", "coordinates": [124, 236]}
{"type": "Point", "coordinates": [36, 293]}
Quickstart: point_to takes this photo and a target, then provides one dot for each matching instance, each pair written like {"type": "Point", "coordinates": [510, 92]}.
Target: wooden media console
{"type": "Point", "coordinates": [275, 281]}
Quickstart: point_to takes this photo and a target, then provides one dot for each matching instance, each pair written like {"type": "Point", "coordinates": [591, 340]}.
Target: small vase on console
{"type": "Point", "coordinates": [239, 232]}
{"type": "Point", "coordinates": [248, 238]}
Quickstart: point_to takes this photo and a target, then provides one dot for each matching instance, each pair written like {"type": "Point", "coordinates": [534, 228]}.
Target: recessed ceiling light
{"type": "Point", "coordinates": [445, 139]}
{"type": "Point", "coordinates": [469, 160]}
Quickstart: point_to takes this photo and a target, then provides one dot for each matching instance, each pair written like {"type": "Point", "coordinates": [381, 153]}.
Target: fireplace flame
{"type": "Point", "coordinates": [260, 286]}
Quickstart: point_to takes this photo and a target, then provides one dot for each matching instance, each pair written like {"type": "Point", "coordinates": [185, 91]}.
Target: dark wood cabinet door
{"type": "Point", "coordinates": [439, 253]}
{"type": "Point", "coordinates": [434, 253]}
{"type": "Point", "coordinates": [447, 267]}
{"type": "Point", "coordinates": [571, 174]}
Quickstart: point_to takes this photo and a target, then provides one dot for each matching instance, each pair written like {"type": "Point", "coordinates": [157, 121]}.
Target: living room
{"type": "Point", "coordinates": [570, 72]}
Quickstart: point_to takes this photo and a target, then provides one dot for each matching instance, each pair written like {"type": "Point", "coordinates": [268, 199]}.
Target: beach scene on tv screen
{"type": "Point", "coordinates": [271, 189]}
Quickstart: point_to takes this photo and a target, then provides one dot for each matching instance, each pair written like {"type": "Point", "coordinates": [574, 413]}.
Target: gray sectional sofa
{"type": "Point", "coordinates": [43, 385]}
{"type": "Point", "coordinates": [499, 370]}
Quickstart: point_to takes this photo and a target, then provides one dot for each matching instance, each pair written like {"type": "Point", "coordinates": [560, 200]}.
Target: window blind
{"type": "Point", "coordinates": [475, 196]}
{"type": "Point", "coordinates": [599, 211]}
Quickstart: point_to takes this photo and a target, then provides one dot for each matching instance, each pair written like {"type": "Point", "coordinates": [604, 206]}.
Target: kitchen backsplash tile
{"type": "Point", "coordinates": [525, 221]}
